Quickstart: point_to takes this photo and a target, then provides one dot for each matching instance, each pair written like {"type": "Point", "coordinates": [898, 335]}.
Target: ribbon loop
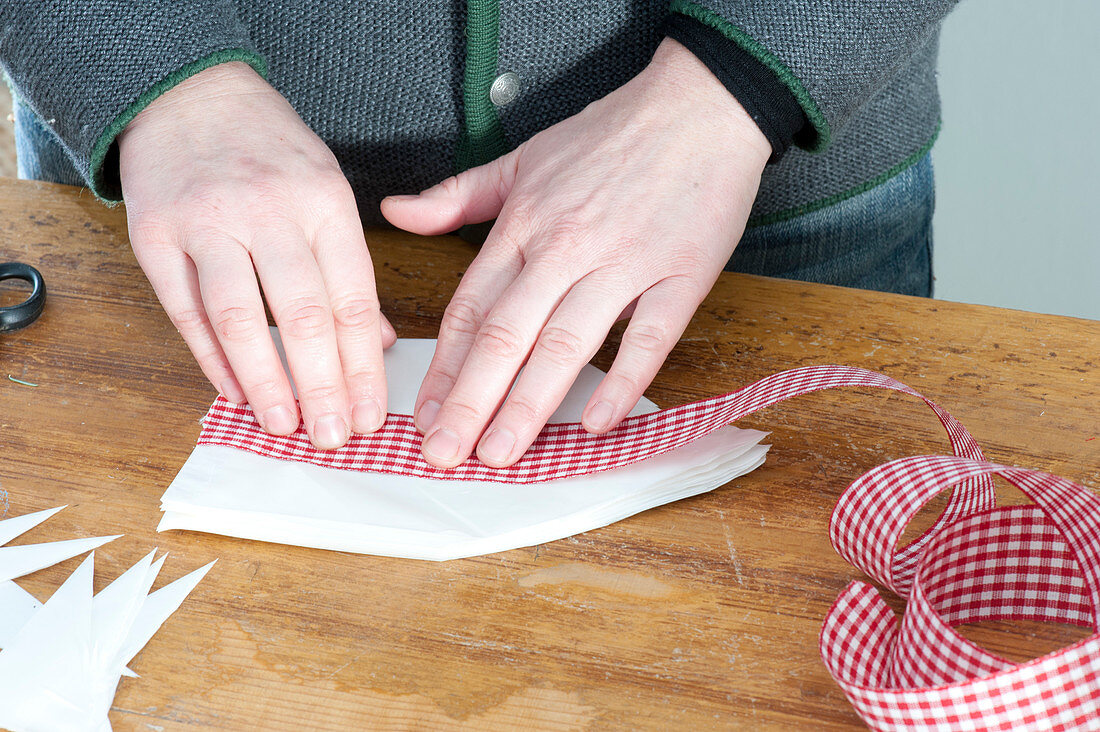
{"type": "Point", "coordinates": [1038, 562]}
{"type": "Point", "coordinates": [1076, 512]}
{"type": "Point", "coordinates": [872, 513]}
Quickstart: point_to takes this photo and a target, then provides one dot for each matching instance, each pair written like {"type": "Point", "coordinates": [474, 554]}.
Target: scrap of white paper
{"type": "Point", "coordinates": [233, 492]}
{"type": "Point", "coordinates": [60, 662]}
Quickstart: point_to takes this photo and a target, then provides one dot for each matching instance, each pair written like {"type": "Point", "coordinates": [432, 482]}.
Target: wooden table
{"type": "Point", "coordinates": [698, 615]}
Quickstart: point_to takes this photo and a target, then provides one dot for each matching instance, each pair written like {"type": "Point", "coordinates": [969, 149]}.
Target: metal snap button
{"type": "Point", "coordinates": [505, 88]}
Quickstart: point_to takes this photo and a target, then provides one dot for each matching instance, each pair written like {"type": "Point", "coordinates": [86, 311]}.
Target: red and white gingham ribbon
{"type": "Point", "coordinates": [561, 450]}
{"type": "Point", "coordinates": [1039, 562]}
{"type": "Point", "coordinates": [977, 562]}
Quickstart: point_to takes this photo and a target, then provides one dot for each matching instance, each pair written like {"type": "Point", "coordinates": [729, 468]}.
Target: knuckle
{"type": "Point", "coordinates": [451, 186]}
{"type": "Point", "coordinates": [331, 191]}
{"type": "Point", "coordinates": [203, 197]}
{"type": "Point", "coordinates": [622, 386]}
{"type": "Point", "coordinates": [562, 344]}
{"type": "Point", "coordinates": [362, 377]}
{"type": "Point", "coordinates": [271, 199]}
{"type": "Point", "coordinates": [317, 393]}
{"type": "Point", "coordinates": [524, 411]}
{"type": "Point", "coordinates": [304, 319]}
{"type": "Point", "coordinates": [648, 337]}
{"type": "Point", "coordinates": [562, 258]}
{"type": "Point", "coordinates": [358, 313]}
{"type": "Point", "coordinates": [522, 205]}
{"type": "Point", "coordinates": [188, 320]}
{"type": "Point", "coordinates": [524, 209]}
{"type": "Point", "coordinates": [510, 239]}
{"type": "Point", "coordinates": [461, 411]}
{"type": "Point", "coordinates": [463, 316]}
{"type": "Point", "coordinates": [500, 339]}
{"type": "Point", "coordinates": [214, 201]}
{"type": "Point", "coordinates": [254, 188]}
{"type": "Point", "coordinates": [145, 229]}
{"type": "Point", "coordinates": [569, 226]}
{"type": "Point", "coordinates": [688, 258]}
{"type": "Point", "coordinates": [624, 255]}
{"type": "Point", "coordinates": [571, 250]}
{"type": "Point", "coordinates": [234, 323]}
{"type": "Point", "coordinates": [267, 389]}
{"type": "Point", "coordinates": [443, 377]}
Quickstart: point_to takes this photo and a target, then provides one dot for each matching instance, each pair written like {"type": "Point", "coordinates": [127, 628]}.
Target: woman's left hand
{"type": "Point", "coordinates": [630, 208]}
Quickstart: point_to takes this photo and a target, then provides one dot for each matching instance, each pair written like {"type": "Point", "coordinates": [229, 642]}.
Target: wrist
{"type": "Point", "coordinates": [230, 78]}
{"type": "Point", "coordinates": [675, 73]}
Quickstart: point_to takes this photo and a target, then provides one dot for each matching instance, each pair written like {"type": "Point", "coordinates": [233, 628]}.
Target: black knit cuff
{"type": "Point", "coordinates": [756, 87]}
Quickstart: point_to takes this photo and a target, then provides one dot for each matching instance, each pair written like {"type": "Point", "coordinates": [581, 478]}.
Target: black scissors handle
{"type": "Point", "coordinates": [26, 312]}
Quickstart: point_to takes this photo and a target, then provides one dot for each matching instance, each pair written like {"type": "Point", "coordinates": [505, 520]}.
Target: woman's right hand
{"type": "Point", "coordinates": [223, 181]}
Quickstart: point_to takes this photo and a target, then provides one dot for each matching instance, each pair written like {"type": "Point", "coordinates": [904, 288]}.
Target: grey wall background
{"type": "Point", "coordinates": [1017, 220]}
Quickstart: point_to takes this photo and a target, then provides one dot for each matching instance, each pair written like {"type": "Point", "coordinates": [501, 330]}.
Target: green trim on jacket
{"type": "Point", "coordinates": [878, 180]}
{"type": "Point", "coordinates": [111, 191]}
{"type": "Point", "coordinates": [483, 139]}
{"type": "Point", "coordinates": [821, 135]}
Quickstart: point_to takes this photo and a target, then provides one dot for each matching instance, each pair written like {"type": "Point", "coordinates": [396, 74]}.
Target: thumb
{"type": "Point", "coordinates": [471, 197]}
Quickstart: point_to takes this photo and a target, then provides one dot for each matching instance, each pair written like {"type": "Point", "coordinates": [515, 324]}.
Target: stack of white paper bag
{"type": "Point", "coordinates": [233, 492]}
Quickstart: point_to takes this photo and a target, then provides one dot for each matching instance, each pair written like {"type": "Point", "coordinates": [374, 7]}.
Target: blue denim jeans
{"type": "Point", "coordinates": [39, 154]}
{"type": "Point", "coordinates": [880, 239]}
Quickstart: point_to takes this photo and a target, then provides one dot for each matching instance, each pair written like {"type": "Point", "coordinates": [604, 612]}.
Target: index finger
{"type": "Point", "coordinates": [487, 278]}
{"type": "Point", "coordinates": [498, 352]}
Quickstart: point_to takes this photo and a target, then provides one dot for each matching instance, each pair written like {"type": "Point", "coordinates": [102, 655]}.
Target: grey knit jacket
{"type": "Point", "coordinates": [400, 90]}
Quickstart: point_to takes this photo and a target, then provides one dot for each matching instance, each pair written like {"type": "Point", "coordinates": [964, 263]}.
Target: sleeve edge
{"type": "Point", "coordinates": [109, 191]}
{"type": "Point", "coordinates": [820, 134]}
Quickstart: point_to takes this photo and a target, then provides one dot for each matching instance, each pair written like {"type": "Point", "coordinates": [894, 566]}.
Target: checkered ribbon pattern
{"type": "Point", "coordinates": [977, 562]}
{"type": "Point", "coordinates": [561, 450]}
{"type": "Point", "coordinates": [1032, 562]}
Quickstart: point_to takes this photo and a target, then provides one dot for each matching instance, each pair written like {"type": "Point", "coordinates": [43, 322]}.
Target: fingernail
{"type": "Point", "coordinates": [600, 416]}
{"type": "Point", "coordinates": [497, 446]}
{"type": "Point", "coordinates": [279, 420]}
{"type": "Point", "coordinates": [329, 432]}
{"type": "Point", "coordinates": [426, 416]}
{"type": "Point", "coordinates": [232, 391]}
{"type": "Point", "coordinates": [442, 445]}
{"type": "Point", "coordinates": [403, 197]}
{"type": "Point", "coordinates": [366, 416]}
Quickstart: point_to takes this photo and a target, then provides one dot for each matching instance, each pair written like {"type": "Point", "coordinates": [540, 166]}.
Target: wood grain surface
{"type": "Point", "coordinates": [699, 615]}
